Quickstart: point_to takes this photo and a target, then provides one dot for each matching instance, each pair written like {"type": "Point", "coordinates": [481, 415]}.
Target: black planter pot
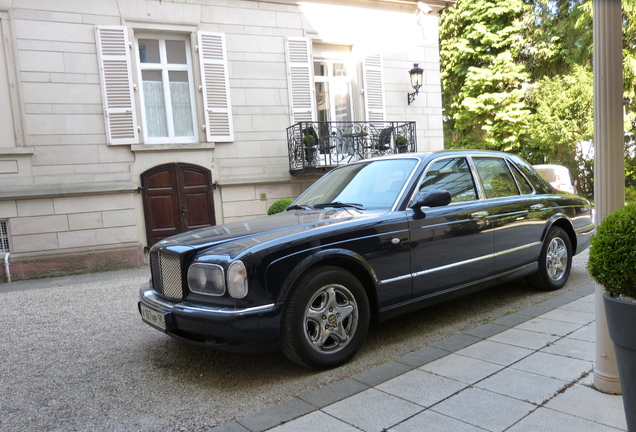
{"type": "Point", "coordinates": [621, 322]}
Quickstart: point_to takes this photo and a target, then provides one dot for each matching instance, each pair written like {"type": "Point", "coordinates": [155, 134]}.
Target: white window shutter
{"type": "Point", "coordinates": [302, 104]}
{"type": "Point", "coordinates": [374, 88]}
{"type": "Point", "coordinates": [113, 52]}
{"type": "Point", "coordinates": [217, 105]}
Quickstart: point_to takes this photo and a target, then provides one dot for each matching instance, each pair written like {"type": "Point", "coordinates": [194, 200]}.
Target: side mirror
{"type": "Point", "coordinates": [433, 198]}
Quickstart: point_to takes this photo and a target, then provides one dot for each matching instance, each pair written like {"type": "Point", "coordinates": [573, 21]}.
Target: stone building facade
{"type": "Point", "coordinates": [123, 121]}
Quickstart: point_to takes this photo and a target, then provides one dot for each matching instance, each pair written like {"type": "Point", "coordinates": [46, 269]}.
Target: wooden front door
{"type": "Point", "coordinates": [177, 198]}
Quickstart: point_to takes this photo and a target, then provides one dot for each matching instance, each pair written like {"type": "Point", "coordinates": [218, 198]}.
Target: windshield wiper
{"type": "Point", "coordinates": [298, 207]}
{"type": "Point", "coordinates": [338, 204]}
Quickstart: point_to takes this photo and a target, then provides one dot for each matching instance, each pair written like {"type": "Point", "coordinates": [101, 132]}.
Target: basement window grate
{"type": "Point", "coordinates": [4, 237]}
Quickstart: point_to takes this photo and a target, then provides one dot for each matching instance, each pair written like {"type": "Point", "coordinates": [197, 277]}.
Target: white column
{"type": "Point", "coordinates": [609, 166]}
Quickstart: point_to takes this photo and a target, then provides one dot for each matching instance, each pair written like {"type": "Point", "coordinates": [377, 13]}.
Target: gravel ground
{"type": "Point", "coordinates": [75, 356]}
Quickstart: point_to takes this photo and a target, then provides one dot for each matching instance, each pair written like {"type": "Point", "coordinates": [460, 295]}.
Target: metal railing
{"type": "Point", "coordinates": [320, 145]}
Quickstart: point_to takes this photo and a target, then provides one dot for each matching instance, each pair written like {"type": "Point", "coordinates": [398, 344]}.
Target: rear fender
{"type": "Point", "coordinates": [562, 221]}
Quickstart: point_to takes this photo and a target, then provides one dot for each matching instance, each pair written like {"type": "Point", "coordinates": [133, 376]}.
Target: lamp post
{"type": "Point", "coordinates": [416, 81]}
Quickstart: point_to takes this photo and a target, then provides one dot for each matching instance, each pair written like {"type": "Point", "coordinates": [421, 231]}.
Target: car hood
{"type": "Point", "coordinates": [263, 228]}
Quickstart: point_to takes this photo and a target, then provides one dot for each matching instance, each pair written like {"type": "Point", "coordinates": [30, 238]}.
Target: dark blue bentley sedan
{"type": "Point", "coordinates": [367, 241]}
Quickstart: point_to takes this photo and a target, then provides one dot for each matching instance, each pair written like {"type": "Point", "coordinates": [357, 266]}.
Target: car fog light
{"type": "Point", "coordinates": [237, 279]}
{"type": "Point", "coordinates": [206, 279]}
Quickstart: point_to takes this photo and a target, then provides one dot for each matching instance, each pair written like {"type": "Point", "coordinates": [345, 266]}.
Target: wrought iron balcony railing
{"type": "Point", "coordinates": [318, 146]}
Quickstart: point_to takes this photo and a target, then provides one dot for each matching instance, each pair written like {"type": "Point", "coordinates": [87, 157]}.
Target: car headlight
{"type": "Point", "coordinates": [237, 279]}
{"type": "Point", "coordinates": [208, 279]}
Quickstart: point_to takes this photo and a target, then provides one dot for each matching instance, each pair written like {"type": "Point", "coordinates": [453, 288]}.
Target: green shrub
{"type": "Point", "coordinates": [613, 252]}
{"type": "Point", "coordinates": [400, 140]}
{"type": "Point", "coordinates": [279, 206]}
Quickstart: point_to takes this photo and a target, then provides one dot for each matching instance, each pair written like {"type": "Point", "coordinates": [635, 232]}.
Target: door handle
{"type": "Point", "coordinates": [536, 207]}
{"type": "Point", "coordinates": [479, 215]}
{"type": "Point", "coordinates": [184, 211]}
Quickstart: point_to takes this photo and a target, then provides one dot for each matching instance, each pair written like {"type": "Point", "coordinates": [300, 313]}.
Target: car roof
{"type": "Point", "coordinates": [550, 166]}
{"type": "Point", "coordinates": [454, 152]}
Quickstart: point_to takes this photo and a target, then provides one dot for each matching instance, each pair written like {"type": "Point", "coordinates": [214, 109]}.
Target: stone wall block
{"type": "Point", "coordinates": [39, 225]}
{"type": "Point", "coordinates": [84, 221]}
{"type": "Point", "coordinates": [35, 207]}
{"type": "Point", "coordinates": [34, 243]}
{"type": "Point", "coordinates": [101, 237]}
{"type": "Point", "coordinates": [69, 205]}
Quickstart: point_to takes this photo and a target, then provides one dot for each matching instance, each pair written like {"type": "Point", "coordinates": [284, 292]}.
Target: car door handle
{"type": "Point", "coordinates": [536, 207]}
{"type": "Point", "coordinates": [479, 215]}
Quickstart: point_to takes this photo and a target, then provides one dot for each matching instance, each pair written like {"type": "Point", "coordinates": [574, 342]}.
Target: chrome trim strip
{"type": "Point", "coordinates": [153, 299]}
{"type": "Point", "coordinates": [453, 288]}
{"type": "Point", "coordinates": [493, 255]}
{"type": "Point", "coordinates": [226, 311]}
{"type": "Point", "coordinates": [147, 294]}
{"type": "Point", "coordinates": [395, 279]}
{"type": "Point", "coordinates": [423, 272]}
{"type": "Point", "coordinates": [517, 248]}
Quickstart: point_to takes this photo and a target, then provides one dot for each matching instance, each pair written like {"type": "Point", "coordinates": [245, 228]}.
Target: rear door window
{"type": "Point", "coordinates": [496, 177]}
{"type": "Point", "coordinates": [523, 184]}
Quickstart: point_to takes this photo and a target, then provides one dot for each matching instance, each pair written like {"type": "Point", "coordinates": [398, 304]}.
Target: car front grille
{"type": "Point", "coordinates": [166, 275]}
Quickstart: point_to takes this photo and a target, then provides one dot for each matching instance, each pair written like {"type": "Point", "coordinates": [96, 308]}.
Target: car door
{"type": "Point", "coordinates": [516, 213]}
{"type": "Point", "coordinates": [450, 245]}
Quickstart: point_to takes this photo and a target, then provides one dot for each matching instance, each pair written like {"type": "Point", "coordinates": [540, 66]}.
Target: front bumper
{"type": "Point", "coordinates": [254, 329]}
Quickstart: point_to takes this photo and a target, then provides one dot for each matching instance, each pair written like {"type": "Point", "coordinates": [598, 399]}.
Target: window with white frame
{"type": "Point", "coordinates": [167, 91]}
{"type": "Point", "coordinates": [332, 83]}
{"type": "Point", "coordinates": [320, 83]}
{"type": "Point", "coordinates": [165, 80]}
{"type": "Point", "coordinates": [333, 91]}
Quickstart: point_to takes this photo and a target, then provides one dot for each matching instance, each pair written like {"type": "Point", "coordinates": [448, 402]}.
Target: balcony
{"type": "Point", "coordinates": [317, 147]}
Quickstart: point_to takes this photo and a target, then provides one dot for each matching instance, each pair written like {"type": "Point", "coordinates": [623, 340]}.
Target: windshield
{"type": "Point", "coordinates": [374, 184]}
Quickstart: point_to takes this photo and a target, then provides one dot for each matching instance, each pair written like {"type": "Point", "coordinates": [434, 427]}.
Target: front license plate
{"type": "Point", "coordinates": [152, 317]}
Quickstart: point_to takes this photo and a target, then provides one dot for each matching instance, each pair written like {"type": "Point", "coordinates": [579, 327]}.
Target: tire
{"type": "Point", "coordinates": [555, 261]}
{"type": "Point", "coordinates": [326, 318]}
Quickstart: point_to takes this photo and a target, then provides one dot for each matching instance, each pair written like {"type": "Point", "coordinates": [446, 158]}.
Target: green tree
{"type": "Point", "coordinates": [517, 76]}
{"type": "Point", "coordinates": [557, 36]}
{"type": "Point", "coordinates": [629, 70]}
{"type": "Point", "coordinates": [562, 117]}
{"type": "Point", "coordinates": [482, 76]}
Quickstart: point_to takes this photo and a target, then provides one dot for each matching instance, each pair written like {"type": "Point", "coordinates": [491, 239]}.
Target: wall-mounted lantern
{"type": "Point", "coordinates": [416, 81]}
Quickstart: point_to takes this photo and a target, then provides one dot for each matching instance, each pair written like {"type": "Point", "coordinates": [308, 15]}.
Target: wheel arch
{"type": "Point", "coordinates": [551, 274]}
{"type": "Point", "coordinates": [345, 259]}
{"type": "Point", "coordinates": [566, 225]}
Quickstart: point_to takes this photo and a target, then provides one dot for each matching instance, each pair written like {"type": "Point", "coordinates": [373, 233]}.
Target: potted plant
{"type": "Point", "coordinates": [310, 151]}
{"type": "Point", "coordinates": [309, 140]}
{"type": "Point", "coordinates": [401, 143]}
{"type": "Point", "coordinates": [611, 265]}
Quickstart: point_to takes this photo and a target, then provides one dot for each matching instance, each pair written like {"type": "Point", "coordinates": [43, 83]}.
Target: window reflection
{"type": "Point", "coordinates": [375, 184]}
{"type": "Point", "coordinates": [495, 177]}
{"type": "Point", "coordinates": [453, 175]}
